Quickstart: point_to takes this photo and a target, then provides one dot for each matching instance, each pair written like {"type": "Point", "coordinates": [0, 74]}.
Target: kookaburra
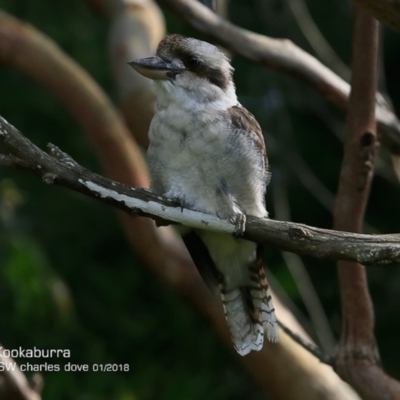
{"type": "Point", "coordinates": [208, 152]}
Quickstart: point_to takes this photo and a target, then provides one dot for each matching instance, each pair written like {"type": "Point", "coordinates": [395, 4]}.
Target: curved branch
{"type": "Point", "coordinates": [59, 168]}
{"type": "Point", "coordinates": [283, 55]}
{"type": "Point", "coordinates": [27, 50]}
{"type": "Point", "coordinates": [386, 11]}
{"type": "Point", "coordinates": [13, 383]}
{"type": "Point", "coordinates": [136, 28]}
{"type": "Point", "coordinates": [316, 39]}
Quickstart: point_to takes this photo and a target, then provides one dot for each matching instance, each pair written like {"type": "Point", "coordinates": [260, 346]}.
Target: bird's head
{"type": "Point", "coordinates": [189, 66]}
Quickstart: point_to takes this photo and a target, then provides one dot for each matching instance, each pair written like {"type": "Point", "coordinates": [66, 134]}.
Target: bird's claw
{"type": "Point", "coordinates": [240, 224]}
{"type": "Point", "coordinates": [178, 201]}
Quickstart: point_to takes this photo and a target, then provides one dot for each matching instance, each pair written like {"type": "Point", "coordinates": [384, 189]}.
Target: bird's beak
{"type": "Point", "coordinates": [155, 68]}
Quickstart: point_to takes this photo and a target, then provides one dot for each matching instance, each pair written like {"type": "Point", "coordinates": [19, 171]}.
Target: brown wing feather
{"type": "Point", "coordinates": [243, 122]}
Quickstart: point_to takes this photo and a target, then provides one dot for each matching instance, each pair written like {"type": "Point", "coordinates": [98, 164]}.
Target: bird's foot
{"type": "Point", "coordinates": [179, 201]}
{"type": "Point", "coordinates": [240, 224]}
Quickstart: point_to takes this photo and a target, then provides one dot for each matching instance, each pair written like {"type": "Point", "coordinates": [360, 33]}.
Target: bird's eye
{"type": "Point", "coordinates": [192, 62]}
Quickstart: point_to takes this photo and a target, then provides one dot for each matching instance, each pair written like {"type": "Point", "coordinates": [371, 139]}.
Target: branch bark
{"type": "Point", "coordinates": [357, 359]}
{"type": "Point", "coordinates": [386, 11]}
{"type": "Point", "coordinates": [60, 168]}
{"type": "Point", "coordinates": [285, 56]}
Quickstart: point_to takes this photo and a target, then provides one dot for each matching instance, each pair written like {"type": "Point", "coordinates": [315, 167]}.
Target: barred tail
{"type": "Point", "coordinates": [249, 311]}
{"type": "Point", "coordinates": [247, 334]}
{"type": "Point", "coordinates": [262, 298]}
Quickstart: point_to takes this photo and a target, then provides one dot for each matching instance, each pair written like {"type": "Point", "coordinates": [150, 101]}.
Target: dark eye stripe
{"type": "Point", "coordinates": [214, 76]}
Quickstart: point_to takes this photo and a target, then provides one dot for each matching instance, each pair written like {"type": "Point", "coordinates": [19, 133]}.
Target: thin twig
{"type": "Point", "coordinates": [307, 345]}
{"type": "Point", "coordinates": [315, 38]}
{"type": "Point", "coordinates": [304, 173]}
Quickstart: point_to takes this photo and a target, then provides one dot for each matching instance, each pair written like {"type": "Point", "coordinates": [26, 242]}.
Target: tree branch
{"type": "Point", "coordinates": [60, 168]}
{"type": "Point", "coordinates": [13, 383]}
{"type": "Point", "coordinates": [316, 39]}
{"type": "Point", "coordinates": [386, 11]}
{"type": "Point", "coordinates": [136, 28]}
{"type": "Point", "coordinates": [285, 56]}
{"type": "Point", "coordinates": [314, 350]}
{"type": "Point", "coordinates": [25, 49]}
{"type": "Point", "coordinates": [357, 359]}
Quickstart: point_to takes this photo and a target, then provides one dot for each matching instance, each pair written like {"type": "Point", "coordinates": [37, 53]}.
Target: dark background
{"type": "Point", "coordinates": [68, 279]}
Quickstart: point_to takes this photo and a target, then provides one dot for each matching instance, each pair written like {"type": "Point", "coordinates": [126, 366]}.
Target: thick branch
{"type": "Point", "coordinates": [136, 28]}
{"type": "Point", "coordinates": [283, 55]}
{"type": "Point", "coordinates": [357, 359]}
{"type": "Point", "coordinates": [322, 243]}
{"type": "Point", "coordinates": [355, 181]}
{"type": "Point", "coordinates": [386, 11]}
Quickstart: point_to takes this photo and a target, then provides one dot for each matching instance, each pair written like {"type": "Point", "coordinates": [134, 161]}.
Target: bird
{"type": "Point", "coordinates": [207, 152]}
